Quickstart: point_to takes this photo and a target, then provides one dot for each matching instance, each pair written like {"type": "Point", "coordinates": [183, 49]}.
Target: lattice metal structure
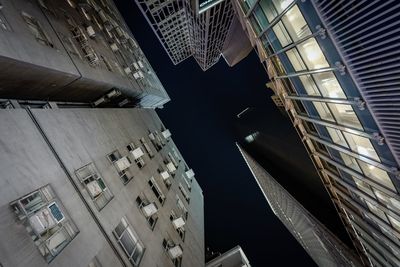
{"type": "Point", "coordinates": [322, 246]}
{"type": "Point", "coordinates": [333, 64]}
{"type": "Point", "coordinates": [184, 32]}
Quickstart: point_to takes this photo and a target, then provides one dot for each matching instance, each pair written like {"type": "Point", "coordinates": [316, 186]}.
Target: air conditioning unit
{"type": "Point", "coordinates": [42, 221]}
{"type": "Point", "coordinates": [122, 164]}
{"type": "Point", "coordinates": [141, 74]}
{"type": "Point", "coordinates": [127, 70]}
{"type": "Point", "coordinates": [141, 64]}
{"type": "Point", "coordinates": [171, 167]}
{"type": "Point", "coordinates": [114, 47]}
{"type": "Point", "coordinates": [137, 153]}
{"type": "Point", "coordinates": [178, 223]}
{"type": "Point", "coordinates": [56, 240]}
{"type": "Point", "coordinates": [136, 75]}
{"type": "Point", "coordinates": [94, 189]}
{"type": "Point", "coordinates": [136, 65]}
{"type": "Point", "coordinates": [164, 175]}
{"type": "Point", "coordinates": [149, 209]}
{"type": "Point", "coordinates": [152, 137]}
{"type": "Point", "coordinates": [189, 174]}
{"type": "Point", "coordinates": [175, 252]}
{"type": "Point", "coordinates": [166, 134]}
{"type": "Point", "coordinates": [91, 32]}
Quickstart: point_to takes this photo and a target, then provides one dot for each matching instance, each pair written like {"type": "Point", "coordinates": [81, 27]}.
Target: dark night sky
{"type": "Point", "coordinates": [202, 119]}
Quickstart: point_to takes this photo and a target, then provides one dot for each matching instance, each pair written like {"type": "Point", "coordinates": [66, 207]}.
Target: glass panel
{"type": "Point", "coordinates": [255, 25]}
{"type": "Point", "coordinates": [377, 174]}
{"type": "Point", "coordinates": [391, 202]}
{"type": "Point", "coordinates": [281, 4]}
{"type": "Point", "coordinates": [282, 34]}
{"type": "Point", "coordinates": [344, 114]}
{"type": "Point", "coordinates": [309, 85]}
{"type": "Point", "coordinates": [312, 54]}
{"type": "Point", "coordinates": [375, 210]}
{"type": "Point", "coordinates": [128, 243]}
{"type": "Point", "coordinates": [337, 136]}
{"type": "Point", "coordinates": [329, 85]}
{"type": "Point", "coordinates": [350, 162]}
{"type": "Point", "coordinates": [295, 24]}
{"type": "Point", "coordinates": [138, 253]}
{"type": "Point", "coordinates": [296, 60]}
{"type": "Point", "coordinates": [269, 9]}
{"type": "Point", "coordinates": [262, 20]}
{"type": "Point", "coordinates": [323, 111]}
{"type": "Point", "coordinates": [363, 186]}
{"type": "Point", "coordinates": [361, 145]}
{"type": "Point", "coordinates": [395, 223]}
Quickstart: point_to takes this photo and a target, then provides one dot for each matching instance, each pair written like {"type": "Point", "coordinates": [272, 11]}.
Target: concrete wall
{"type": "Point", "coordinates": [62, 72]}
{"type": "Point", "coordinates": [80, 136]}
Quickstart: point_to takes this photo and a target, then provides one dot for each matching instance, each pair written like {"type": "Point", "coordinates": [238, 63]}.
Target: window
{"type": "Point", "coordinates": [295, 59]}
{"type": "Point", "coordinates": [178, 223]}
{"type": "Point", "coordinates": [94, 184]}
{"type": "Point", "coordinates": [46, 221]}
{"type": "Point", "coordinates": [329, 85]}
{"type": "Point", "coordinates": [184, 193]}
{"type": "Point", "coordinates": [363, 186]}
{"type": "Point", "coordinates": [296, 24]}
{"type": "Point", "coordinates": [281, 5]}
{"type": "Point", "coordinates": [174, 251]}
{"type": "Point", "coordinates": [337, 136]}
{"type": "Point", "coordinates": [149, 210]}
{"type": "Point", "coordinates": [323, 111]}
{"type": "Point", "coordinates": [309, 85]}
{"type": "Point", "coordinates": [182, 207]}
{"type": "Point", "coordinates": [4, 25]}
{"type": "Point", "coordinates": [395, 223]}
{"type": "Point", "coordinates": [378, 212]}
{"type": "Point", "coordinates": [122, 165]}
{"type": "Point", "coordinates": [344, 114]}
{"type": "Point", "coordinates": [377, 174]}
{"type": "Point", "coordinates": [390, 202]}
{"type": "Point", "coordinates": [129, 241]}
{"type": "Point", "coordinates": [350, 162]}
{"type": "Point", "coordinates": [147, 147]}
{"type": "Point", "coordinates": [312, 54]}
{"type": "Point", "coordinates": [282, 34]}
{"type": "Point", "coordinates": [361, 145]}
{"type": "Point", "coordinates": [156, 190]}
{"type": "Point", "coordinates": [268, 9]}
{"type": "Point", "coordinates": [137, 154]}
{"type": "Point", "coordinates": [36, 29]}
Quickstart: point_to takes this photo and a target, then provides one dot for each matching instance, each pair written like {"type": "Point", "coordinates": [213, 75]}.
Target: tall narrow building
{"type": "Point", "coordinates": [83, 185]}
{"type": "Point", "coordinates": [332, 63]}
{"type": "Point", "coordinates": [322, 246]}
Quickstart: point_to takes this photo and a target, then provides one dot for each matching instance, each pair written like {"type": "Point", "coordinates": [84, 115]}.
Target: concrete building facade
{"type": "Point", "coordinates": [322, 246]}
{"type": "Point", "coordinates": [72, 51]}
{"type": "Point", "coordinates": [96, 187]}
{"type": "Point", "coordinates": [329, 63]}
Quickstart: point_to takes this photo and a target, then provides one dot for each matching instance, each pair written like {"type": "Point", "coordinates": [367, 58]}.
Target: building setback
{"type": "Point", "coordinates": [329, 63]}
{"type": "Point", "coordinates": [74, 51]}
{"type": "Point", "coordinates": [322, 246]}
{"type": "Point", "coordinates": [195, 28]}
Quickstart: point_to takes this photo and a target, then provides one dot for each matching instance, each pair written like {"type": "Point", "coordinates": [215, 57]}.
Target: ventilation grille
{"type": "Point", "coordinates": [368, 34]}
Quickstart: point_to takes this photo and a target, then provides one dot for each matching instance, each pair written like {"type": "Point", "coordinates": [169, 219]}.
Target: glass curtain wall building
{"type": "Point", "coordinates": [329, 62]}
{"type": "Point", "coordinates": [190, 28]}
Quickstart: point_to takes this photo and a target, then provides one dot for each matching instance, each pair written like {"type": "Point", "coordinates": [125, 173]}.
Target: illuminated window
{"type": "Point", "coordinates": [262, 20]}
{"type": "Point", "coordinates": [395, 223]}
{"type": "Point", "coordinates": [337, 136]}
{"type": "Point", "coordinates": [363, 186]}
{"type": "Point", "coordinates": [323, 111]}
{"type": "Point", "coordinates": [377, 174]}
{"type": "Point", "coordinates": [309, 85]}
{"type": "Point", "coordinates": [344, 114]}
{"type": "Point", "coordinates": [329, 85]}
{"type": "Point", "coordinates": [281, 5]}
{"type": "Point", "coordinates": [391, 202]}
{"type": "Point", "coordinates": [361, 145]}
{"type": "Point", "coordinates": [282, 34]}
{"type": "Point", "coordinates": [268, 9]}
{"type": "Point", "coordinates": [296, 60]}
{"type": "Point", "coordinates": [350, 162]}
{"type": "Point", "coordinates": [296, 24]}
{"type": "Point", "coordinates": [312, 54]}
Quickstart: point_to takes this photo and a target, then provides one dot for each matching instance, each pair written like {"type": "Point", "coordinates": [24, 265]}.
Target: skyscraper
{"type": "Point", "coordinates": [322, 246]}
{"type": "Point", "coordinates": [332, 64]}
{"type": "Point", "coordinates": [83, 185]}
{"type": "Point", "coordinates": [75, 51]}
{"type": "Point", "coordinates": [192, 28]}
